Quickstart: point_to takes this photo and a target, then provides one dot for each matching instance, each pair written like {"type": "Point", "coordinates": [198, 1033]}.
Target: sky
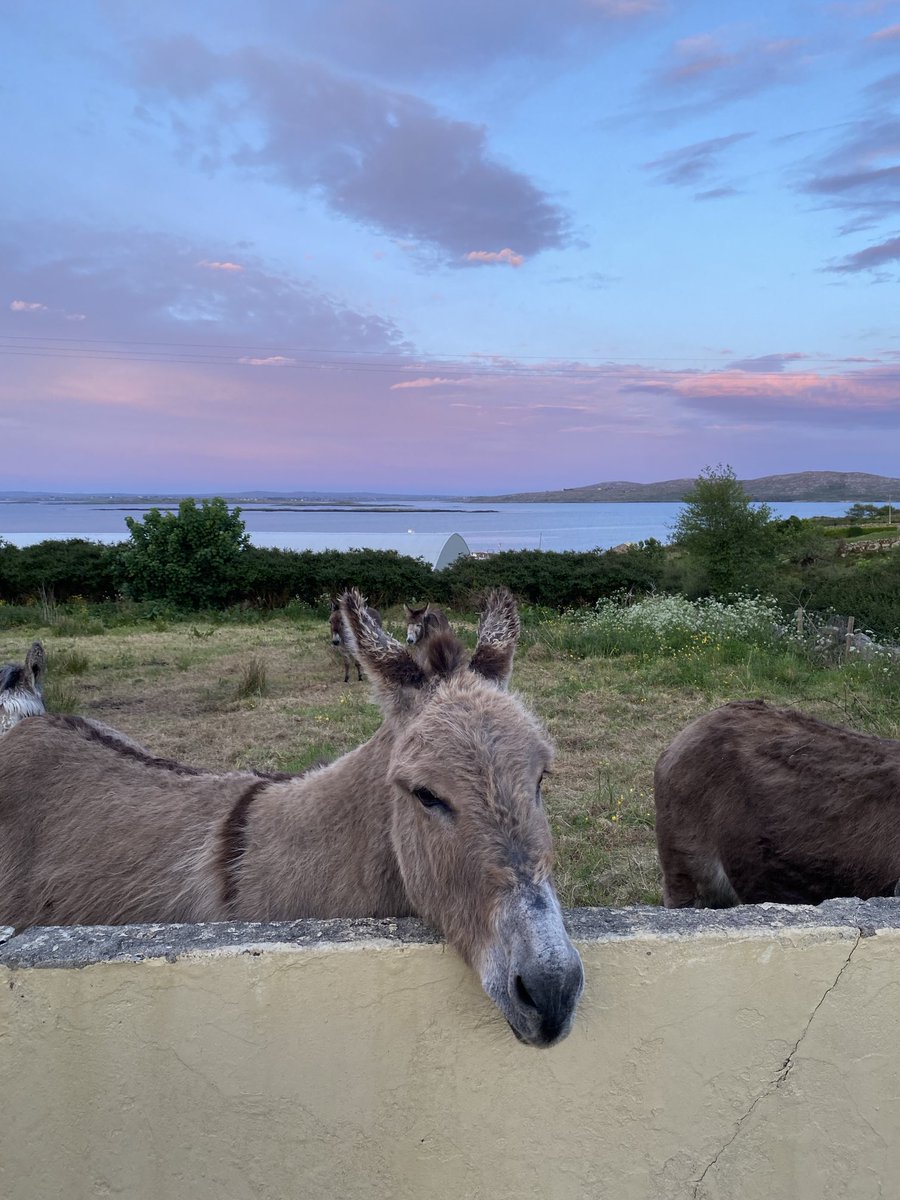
{"type": "Point", "coordinates": [412, 246]}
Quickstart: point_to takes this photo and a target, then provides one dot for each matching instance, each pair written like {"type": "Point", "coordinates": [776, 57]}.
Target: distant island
{"type": "Point", "coordinates": [831, 486]}
{"type": "Point", "coordinates": [804, 485]}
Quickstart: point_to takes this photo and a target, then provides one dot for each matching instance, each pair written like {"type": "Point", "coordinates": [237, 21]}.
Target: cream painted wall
{"type": "Point", "coordinates": [750, 1054]}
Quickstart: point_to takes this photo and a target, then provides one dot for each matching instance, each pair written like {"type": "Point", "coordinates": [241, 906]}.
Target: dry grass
{"type": "Point", "coordinates": [183, 692]}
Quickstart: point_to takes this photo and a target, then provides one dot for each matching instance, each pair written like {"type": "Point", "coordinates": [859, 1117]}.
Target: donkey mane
{"type": "Point", "coordinates": [96, 732]}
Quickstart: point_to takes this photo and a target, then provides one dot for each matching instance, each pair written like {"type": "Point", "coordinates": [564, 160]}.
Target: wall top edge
{"type": "Point", "coordinates": [83, 945]}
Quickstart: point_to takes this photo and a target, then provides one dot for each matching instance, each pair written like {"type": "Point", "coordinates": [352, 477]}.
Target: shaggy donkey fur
{"type": "Point", "coordinates": [439, 815]}
{"type": "Point", "coordinates": [21, 688]}
{"type": "Point", "coordinates": [756, 803]}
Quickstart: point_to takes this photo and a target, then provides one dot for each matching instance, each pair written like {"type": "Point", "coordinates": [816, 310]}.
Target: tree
{"type": "Point", "coordinates": [726, 540]}
{"type": "Point", "coordinates": [869, 512]}
{"type": "Point", "coordinates": [191, 558]}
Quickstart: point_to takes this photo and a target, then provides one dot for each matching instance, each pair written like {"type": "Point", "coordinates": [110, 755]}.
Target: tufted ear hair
{"type": "Point", "coordinates": [498, 636]}
{"type": "Point", "coordinates": [392, 670]}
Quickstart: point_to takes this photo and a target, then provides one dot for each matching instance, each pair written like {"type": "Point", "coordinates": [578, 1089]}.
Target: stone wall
{"type": "Point", "coordinates": [744, 1054]}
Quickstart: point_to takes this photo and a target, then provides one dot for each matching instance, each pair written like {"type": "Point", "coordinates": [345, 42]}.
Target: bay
{"type": "Point", "coordinates": [503, 527]}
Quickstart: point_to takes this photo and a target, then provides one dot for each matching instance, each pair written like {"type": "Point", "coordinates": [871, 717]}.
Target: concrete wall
{"type": "Point", "coordinates": [744, 1054]}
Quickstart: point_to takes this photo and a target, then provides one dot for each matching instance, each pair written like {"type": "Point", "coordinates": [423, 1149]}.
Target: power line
{"type": "Point", "coordinates": [179, 353]}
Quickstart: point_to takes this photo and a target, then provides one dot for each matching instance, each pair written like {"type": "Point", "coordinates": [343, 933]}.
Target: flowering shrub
{"type": "Point", "coordinates": [672, 623]}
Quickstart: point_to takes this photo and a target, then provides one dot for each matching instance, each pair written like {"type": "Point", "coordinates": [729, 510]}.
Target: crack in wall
{"type": "Point", "coordinates": [786, 1067]}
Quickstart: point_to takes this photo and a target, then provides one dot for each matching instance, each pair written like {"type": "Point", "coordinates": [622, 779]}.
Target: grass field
{"type": "Point", "coordinates": [612, 686]}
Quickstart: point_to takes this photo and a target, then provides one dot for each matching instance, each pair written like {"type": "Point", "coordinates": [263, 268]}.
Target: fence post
{"type": "Point", "coordinates": [799, 616]}
{"type": "Point", "coordinates": [850, 623]}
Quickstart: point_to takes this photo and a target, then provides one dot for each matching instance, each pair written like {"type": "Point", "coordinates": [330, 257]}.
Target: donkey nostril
{"type": "Point", "coordinates": [523, 993]}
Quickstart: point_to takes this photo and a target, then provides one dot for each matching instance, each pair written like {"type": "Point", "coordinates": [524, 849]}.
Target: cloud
{"type": "Point", "coordinates": [423, 382]}
{"type": "Point", "coordinates": [890, 34]}
{"type": "Point", "coordinates": [409, 39]}
{"type": "Point", "coordinates": [204, 426]}
{"type": "Point", "coordinates": [220, 266]}
{"type": "Point", "coordinates": [496, 256]}
{"type": "Point", "coordinates": [718, 193]}
{"type": "Point", "coordinates": [145, 288]}
{"type": "Point", "coordinates": [871, 258]}
{"type": "Point", "coordinates": [693, 164]}
{"type": "Point", "coordinates": [859, 399]}
{"type": "Point", "coordinates": [861, 174]}
{"type": "Point", "coordinates": [381, 157]}
{"type": "Point", "coordinates": [765, 364]}
{"type": "Point", "coordinates": [705, 71]}
{"type": "Point", "coordinates": [27, 306]}
{"type": "Point", "coordinates": [274, 360]}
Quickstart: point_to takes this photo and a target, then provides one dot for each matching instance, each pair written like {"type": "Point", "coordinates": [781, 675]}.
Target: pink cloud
{"type": "Point", "coordinates": [27, 306]}
{"type": "Point", "coordinates": [496, 256]}
{"type": "Point", "coordinates": [145, 425]}
{"type": "Point", "coordinates": [891, 33]}
{"type": "Point", "coordinates": [424, 382]}
{"type": "Point", "coordinates": [220, 266]}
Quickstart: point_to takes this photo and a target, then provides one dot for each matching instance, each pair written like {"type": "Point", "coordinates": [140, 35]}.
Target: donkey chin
{"type": "Point", "coordinates": [532, 972]}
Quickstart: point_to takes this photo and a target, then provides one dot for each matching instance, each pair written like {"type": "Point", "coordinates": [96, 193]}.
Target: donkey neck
{"type": "Point", "coordinates": [320, 845]}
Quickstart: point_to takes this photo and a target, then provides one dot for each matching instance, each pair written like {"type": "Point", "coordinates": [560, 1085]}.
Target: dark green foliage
{"type": "Point", "coordinates": [867, 589]}
{"type": "Point", "coordinates": [191, 558]}
{"type": "Point", "coordinates": [871, 512]}
{"type": "Point", "coordinates": [276, 577]}
{"type": "Point", "coordinates": [58, 569]}
{"type": "Point", "coordinates": [726, 541]}
{"type": "Point", "coordinates": [556, 580]}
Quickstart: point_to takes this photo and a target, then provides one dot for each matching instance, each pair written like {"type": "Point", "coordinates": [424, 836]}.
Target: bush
{"type": "Point", "coordinates": [727, 542]}
{"type": "Point", "coordinates": [555, 579]}
{"type": "Point", "coordinates": [191, 558]}
{"type": "Point", "coordinates": [867, 589]}
{"type": "Point", "coordinates": [58, 569]}
{"type": "Point", "coordinates": [274, 578]}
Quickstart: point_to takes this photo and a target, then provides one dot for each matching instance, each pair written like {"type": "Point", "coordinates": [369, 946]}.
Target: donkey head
{"type": "Point", "coordinates": [469, 831]}
{"type": "Point", "coordinates": [415, 623]}
{"type": "Point", "coordinates": [21, 691]}
{"type": "Point", "coordinates": [336, 623]}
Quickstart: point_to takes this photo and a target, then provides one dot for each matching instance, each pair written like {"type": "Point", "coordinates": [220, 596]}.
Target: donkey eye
{"type": "Point", "coordinates": [428, 799]}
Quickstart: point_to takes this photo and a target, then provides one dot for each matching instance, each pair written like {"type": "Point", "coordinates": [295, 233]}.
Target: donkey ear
{"type": "Point", "coordinates": [392, 670]}
{"type": "Point", "coordinates": [498, 634]}
{"type": "Point", "coordinates": [36, 663]}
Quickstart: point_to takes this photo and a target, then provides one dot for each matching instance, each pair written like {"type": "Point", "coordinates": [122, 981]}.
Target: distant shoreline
{"type": "Point", "coordinates": [802, 487]}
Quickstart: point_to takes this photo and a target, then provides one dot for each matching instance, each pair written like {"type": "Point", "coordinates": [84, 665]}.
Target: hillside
{"type": "Point", "coordinates": [804, 485]}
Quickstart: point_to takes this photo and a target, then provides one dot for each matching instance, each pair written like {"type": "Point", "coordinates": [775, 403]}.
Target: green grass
{"type": "Point", "coordinates": [613, 686]}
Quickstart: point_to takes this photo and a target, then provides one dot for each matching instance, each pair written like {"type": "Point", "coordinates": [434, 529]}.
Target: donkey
{"type": "Point", "coordinates": [21, 688]}
{"type": "Point", "coordinates": [422, 624]}
{"type": "Point", "coordinates": [343, 641]}
{"type": "Point", "coordinates": [438, 815]}
{"type": "Point", "coordinates": [757, 803]}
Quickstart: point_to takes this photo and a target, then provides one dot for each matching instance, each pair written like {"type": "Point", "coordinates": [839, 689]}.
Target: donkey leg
{"type": "Point", "coordinates": [679, 891]}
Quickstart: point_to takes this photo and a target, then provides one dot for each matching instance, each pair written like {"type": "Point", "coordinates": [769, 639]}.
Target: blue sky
{"type": "Point", "coordinates": [406, 245]}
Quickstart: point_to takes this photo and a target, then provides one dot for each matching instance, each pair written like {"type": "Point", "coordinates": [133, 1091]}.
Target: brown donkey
{"type": "Point", "coordinates": [342, 640]}
{"type": "Point", "coordinates": [422, 624]}
{"type": "Point", "coordinates": [21, 688]}
{"type": "Point", "coordinates": [438, 815]}
{"type": "Point", "coordinates": [756, 803]}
